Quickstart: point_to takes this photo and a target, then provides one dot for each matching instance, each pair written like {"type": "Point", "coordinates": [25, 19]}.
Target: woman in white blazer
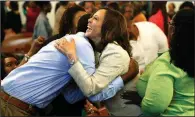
{"type": "Point", "coordinates": [108, 30]}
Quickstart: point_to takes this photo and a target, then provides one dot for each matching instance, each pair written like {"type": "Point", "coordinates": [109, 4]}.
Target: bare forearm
{"type": "Point", "coordinates": [132, 73]}
{"type": "Point", "coordinates": [25, 59]}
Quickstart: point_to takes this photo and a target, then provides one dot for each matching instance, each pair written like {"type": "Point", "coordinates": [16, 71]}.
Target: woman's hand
{"type": "Point", "coordinates": [132, 72]}
{"type": "Point", "coordinates": [67, 48]}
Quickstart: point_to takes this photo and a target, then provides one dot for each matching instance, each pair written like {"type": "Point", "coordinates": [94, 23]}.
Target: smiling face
{"type": "Point", "coordinates": [94, 25]}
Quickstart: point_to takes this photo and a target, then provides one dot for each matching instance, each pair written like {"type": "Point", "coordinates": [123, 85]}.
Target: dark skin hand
{"type": "Point", "coordinates": [132, 73]}
{"type": "Point", "coordinates": [132, 96]}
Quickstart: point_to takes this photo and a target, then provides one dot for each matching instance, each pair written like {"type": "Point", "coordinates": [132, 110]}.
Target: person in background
{"type": "Point", "coordinates": [8, 63]}
{"type": "Point", "coordinates": [89, 6]}
{"type": "Point", "coordinates": [138, 15]}
{"type": "Point", "coordinates": [57, 6]}
{"type": "Point", "coordinates": [122, 3]}
{"type": "Point", "coordinates": [3, 19]}
{"type": "Point", "coordinates": [167, 85]}
{"type": "Point", "coordinates": [98, 5]}
{"type": "Point", "coordinates": [159, 15]}
{"type": "Point", "coordinates": [186, 5]}
{"type": "Point", "coordinates": [58, 15]}
{"type": "Point", "coordinates": [148, 42]}
{"type": "Point", "coordinates": [31, 16]}
{"type": "Point", "coordinates": [113, 5]}
{"type": "Point", "coordinates": [13, 20]}
{"type": "Point", "coordinates": [68, 22]}
{"type": "Point", "coordinates": [147, 8]}
{"type": "Point", "coordinates": [7, 6]}
{"type": "Point", "coordinates": [25, 7]}
{"type": "Point", "coordinates": [171, 10]}
{"type": "Point", "coordinates": [127, 11]}
{"type": "Point", "coordinates": [42, 26]}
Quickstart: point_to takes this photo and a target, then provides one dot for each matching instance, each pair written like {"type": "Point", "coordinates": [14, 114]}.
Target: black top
{"type": "Point", "coordinates": [13, 22]}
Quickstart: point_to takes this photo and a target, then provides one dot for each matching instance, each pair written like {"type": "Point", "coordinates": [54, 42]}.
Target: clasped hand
{"type": "Point", "coordinates": [67, 48]}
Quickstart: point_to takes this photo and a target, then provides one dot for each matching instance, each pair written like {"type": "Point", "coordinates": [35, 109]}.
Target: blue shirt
{"type": "Point", "coordinates": [73, 94]}
{"type": "Point", "coordinates": [43, 77]}
{"type": "Point", "coordinates": [42, 27]}
{"type": "Point", "coordinates": [39, 80]}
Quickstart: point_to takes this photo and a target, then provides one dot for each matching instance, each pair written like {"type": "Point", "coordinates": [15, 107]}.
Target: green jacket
{"type": "Point", "coordinates": [166, 89]}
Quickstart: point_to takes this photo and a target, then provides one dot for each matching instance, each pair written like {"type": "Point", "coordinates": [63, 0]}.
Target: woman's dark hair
{"type": "Point", "coordinates": [13, 5]}
{"type": "Point", "coordinates": [57, 6]}
{"type": "Point", "coordinates": [161, 5]}
{"type": "Point", "coordinates": [114, 6]}
{"type": "Point", "coordinates": [41, 4]}
{"type": "Point", "coordinates": [182, 41]}
{"type": "Point", "coordinates": [64, 3]}
{"type": "Point", "coordinates": [82, 26]}
{"type": "Point", "coordinates": [123, 7]}
{"type": "Point", "coordinates": [186, 4]}
{"type": "Point", "coordinates": [82, 23]}
{"type": "Point", "coordinates": [3, 56]}
{"type": "Point", "coordinates": [66, 22]}
{"type": "Point", "coordinates": [117, 32]}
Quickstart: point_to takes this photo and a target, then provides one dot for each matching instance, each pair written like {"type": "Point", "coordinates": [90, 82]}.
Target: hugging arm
{"type": "Point", "coordinates": [111, 65]}
{"type": "Point", "coordinates": [105, 73]}
{"type": "Point", "coordinates": [73, 94]}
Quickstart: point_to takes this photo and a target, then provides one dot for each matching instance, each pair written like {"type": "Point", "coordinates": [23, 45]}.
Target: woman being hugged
{"type": "Point", "coordinates": [108, 30]}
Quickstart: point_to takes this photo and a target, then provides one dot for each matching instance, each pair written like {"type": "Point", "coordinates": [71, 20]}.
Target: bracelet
{"type": "Point", "coordinates": [72, 61]}
{"type": "Point", "coordinates": [26, 57]}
